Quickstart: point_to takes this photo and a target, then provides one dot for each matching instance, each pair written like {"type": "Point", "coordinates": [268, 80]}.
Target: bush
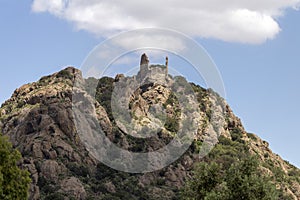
{"type": "Point", "coordinates": [242, 180]}
{"type": "Point", "coordinates": [65, 74]}
{"type": "Point", "coordinates": [14, 182]}
{"type": "Point", "coordinates": [172, 124]}
{"type": "Point", "coordinates": [104, 93]}
{"type": "Point", "coordinates": [236, 135]}
{"type": "Point", "coordinates": [252, 136]}
{"type": "Point", "coordinates": [78, 170]}
{"type": "Point", "coordinates": [55, 196]}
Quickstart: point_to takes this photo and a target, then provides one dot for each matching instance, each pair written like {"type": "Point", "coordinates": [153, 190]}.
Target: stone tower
{"type": "Point", "coordinates": [144, 65]}
{"type": "Point", "coordinates": [144, 60]}
{"type": "Point", "coordinates": [167, 63]}
{"type": "Point", "coordinates": [152, 73]}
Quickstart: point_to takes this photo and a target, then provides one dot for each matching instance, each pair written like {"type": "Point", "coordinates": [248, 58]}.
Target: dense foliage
{"type": "Point", "coordinates": [230, 173]}
{"type": "Point", "coordinates": [103, 94]}
{"type": "Point", "coordinates": [241, 181]}
{"type": "Point", "coordinates": [14, 182]}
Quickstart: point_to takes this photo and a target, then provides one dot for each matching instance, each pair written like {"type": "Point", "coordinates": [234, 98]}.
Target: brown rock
{"type": "Point", "coordinates": [73, 187]}
{"type": "Point", "coordinates": [37, 150]}
{"type": "Point", "coordinates": [51, 170]}
{"type": "Point", "coordinates": [110, 187]}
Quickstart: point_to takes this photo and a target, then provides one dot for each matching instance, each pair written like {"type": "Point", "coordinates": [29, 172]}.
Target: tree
{"type": "Point", "coordinates": [245, 181]}
{"type": "Point", "coordinates": [242, 180]}
{"type": "Point", "coordinates": [14, 182]}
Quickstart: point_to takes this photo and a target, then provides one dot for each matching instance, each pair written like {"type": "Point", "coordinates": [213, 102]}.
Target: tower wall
{"type": "Point", "coordinates": [144, 66]}
{"type": "Point", "coordinates": [167, 66]}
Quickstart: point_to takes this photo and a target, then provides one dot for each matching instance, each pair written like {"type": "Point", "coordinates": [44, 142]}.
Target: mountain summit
{"type": "Point", "coordinates": [39, 120]}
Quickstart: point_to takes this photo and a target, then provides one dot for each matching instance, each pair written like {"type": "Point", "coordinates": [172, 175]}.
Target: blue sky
{"type": "Point", "coordinates": [260, 72]}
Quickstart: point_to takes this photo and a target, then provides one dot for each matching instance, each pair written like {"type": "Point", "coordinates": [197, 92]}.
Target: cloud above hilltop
{"type": "Point", "coordinates": [242, 21]}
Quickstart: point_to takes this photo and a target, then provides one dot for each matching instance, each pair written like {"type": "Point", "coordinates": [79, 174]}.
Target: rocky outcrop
{"type": "Point", "coordinates": [39, 121]}
{"type": "Point", "coordinates": [73, 187]}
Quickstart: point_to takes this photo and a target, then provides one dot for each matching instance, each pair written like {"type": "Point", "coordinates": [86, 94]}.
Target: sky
{"type": "Point", "coordinates": [255, 45]}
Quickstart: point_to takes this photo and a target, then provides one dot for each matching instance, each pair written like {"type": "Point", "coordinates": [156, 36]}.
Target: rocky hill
{"type": "Point", "coordinates": [39, 121]}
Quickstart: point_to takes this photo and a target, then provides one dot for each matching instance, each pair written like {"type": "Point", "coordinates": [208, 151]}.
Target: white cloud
{"type": "Point", "coordinates": [138, 40]}
{"type": "Point", "coordinates": [54, 7]}
{"type": "Point", "coordinates": [245, 21]}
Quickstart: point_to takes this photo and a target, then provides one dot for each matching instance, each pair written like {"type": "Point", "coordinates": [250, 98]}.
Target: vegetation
{"type": "Point", "coordinates": [65, 74]}
{"type": "Point", "coordinates": [172, 121]}
{"type": "Point", "coordinates": [104, 93]}
{"type": "Point", "coordinates": [229, 174]}
{"type": "Point", "coordinates": [242, 180]}
{"type": "Point", "coordinates": [14, 182]}
{"type": "Point", "coordinates": [252, 136]}
{"type": "Point", "coordinates": [202, 98]}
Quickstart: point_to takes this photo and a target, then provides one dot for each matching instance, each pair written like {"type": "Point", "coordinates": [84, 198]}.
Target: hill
{"type": "Point", "coordinates": [39, 119]}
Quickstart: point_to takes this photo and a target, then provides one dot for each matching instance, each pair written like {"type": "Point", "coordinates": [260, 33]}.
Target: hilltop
{"type": "Point", "coordinates": [39, 121]}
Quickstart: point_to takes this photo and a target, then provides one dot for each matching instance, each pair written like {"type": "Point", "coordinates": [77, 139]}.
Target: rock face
{"type": "Point", "coordinates": [39, 121]}
{"type": "Point", "coordinates": [73, 187]}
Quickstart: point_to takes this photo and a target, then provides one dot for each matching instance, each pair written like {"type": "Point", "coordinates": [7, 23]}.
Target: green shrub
{"type": "Point", "coordinates": [236, 135]}
{"type": "Point", "coordinates": [14, 182]}
{"type": "Point", "coordinates": [55, 196]}
{"type": "Point", "coordinates": [64, 74]}
{"type": "Point", "coordinates": [252, 136]}
{"type": "Point", "coordinates": [78, 170]}
{"type": "Point", "coordinates": [104, 94]}
{"type": "Point", "coordinates": [172, 124]}
{"type": "Point", "coordinates": [242, 180]}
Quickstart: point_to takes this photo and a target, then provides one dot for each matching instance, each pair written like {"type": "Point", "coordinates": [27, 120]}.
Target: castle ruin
{"type": "Point", "coordinates": [153, 73]}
